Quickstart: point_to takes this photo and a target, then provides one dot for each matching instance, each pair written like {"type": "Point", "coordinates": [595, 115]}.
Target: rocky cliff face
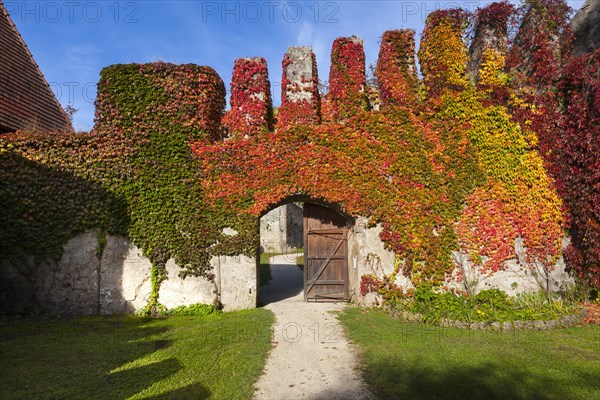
{"type": "Point", "coordinates": [586, 27]}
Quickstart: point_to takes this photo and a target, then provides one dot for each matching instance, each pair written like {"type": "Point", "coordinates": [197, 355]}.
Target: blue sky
{"type": "Point", "coordinates": [73, 40]}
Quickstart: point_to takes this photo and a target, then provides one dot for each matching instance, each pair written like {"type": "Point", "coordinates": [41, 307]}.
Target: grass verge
{"type": "Point", "coordinates": [300, 261]}
{"type": "Point", "coordinates": [404, 360]}
{"type": "Point", "coordinates": [124, 357]}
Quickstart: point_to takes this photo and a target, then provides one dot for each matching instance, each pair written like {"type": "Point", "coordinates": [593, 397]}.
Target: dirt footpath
{"type": "Point", "coordinates": [311, 356]}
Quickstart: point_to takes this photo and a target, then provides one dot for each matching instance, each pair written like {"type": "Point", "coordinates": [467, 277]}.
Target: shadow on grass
{"type": "Point", "coordinates": [403, 360]}
{"type": "Point", "coordinates": [84, 358]}
{"type": "Point", "coordinates": [134, 380]}
{"type": "Point", "coordinates": [417, 380]}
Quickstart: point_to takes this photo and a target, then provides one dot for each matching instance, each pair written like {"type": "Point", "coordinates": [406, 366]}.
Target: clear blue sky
{"type": "Point", "coordinates": [73, 40]}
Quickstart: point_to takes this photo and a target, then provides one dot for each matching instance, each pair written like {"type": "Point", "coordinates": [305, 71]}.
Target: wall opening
{"type": "Point", "coordinates": [280, 266]}
{"type": "Point", "coordinates": [303, 253]}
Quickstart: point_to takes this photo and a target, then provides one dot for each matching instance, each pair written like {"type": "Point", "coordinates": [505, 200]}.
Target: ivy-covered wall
{"type": "Point", "coordinates": [461, 171]}
{"type": "Point", "coordinates": [134, 175]}
{"type": "Point", "coordinates": [251, 107]}
{"type": "Point", "coordinates": [347, 82]}
{"type": "Point", "coordinates": [454, 176]}
{"type": "Point", "coordinates": [396, 68]}
{"type": "Point", "coordinates": [300, 99]}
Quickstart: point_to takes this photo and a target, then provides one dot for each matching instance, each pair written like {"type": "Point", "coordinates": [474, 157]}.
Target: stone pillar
{"type": "Point", "coordinates": [443, 54]}
{"type": "Point", "coordinates": [396, 69]}
{"type": "Point", "coordinates": [347, 80]}
{"type": "Point", "coordinates": [535, 57]}
{"type": "Point", "coordinates": [300, 101]}
{"type": "Point", "coordinates": [491, 37]}
{"type": "Point", "coordinates": [585, 26]}
{"type": "Point", "coordinates": [251, 107]}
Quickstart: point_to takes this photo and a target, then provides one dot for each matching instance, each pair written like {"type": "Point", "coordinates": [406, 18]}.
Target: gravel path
{"type": "Point", "coordinates": [311, 356]}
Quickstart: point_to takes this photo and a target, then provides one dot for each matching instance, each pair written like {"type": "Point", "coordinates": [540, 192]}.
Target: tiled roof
{"type": "Point", "coordinates": [26, 100]}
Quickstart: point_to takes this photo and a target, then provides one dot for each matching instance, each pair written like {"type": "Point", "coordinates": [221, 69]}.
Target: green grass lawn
{"type": "Point", "coordinates": [125, 357]}
{"type": "Point", "coordinates": [403, 360]}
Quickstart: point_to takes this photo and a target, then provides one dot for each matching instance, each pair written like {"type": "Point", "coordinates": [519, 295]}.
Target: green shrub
{"type": "Point", "coordinates": [491, 305]}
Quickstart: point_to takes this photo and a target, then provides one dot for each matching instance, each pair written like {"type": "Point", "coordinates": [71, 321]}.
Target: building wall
{"type": "Point", "coordinates": [116, 282]}
{"type": "Point", "coordinates": [281, 229]}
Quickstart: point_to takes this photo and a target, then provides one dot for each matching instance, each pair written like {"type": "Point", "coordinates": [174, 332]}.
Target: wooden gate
{"type": "Point", "coordinates": [325, 254]}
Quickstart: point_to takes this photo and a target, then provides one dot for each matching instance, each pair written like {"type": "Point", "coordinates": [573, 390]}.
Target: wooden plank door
{"type": "Point", "coordinates": [325, 254]}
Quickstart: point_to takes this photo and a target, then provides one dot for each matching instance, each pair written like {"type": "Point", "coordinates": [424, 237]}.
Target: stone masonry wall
{"type": "Point", "coordinates": [368, 256]}
{"type": "Point", "coordinates": [80, 283]}
{"type": "Point", "coordinates": [116, 282]}
{"type": "Point", "coordinates": [281, 229]}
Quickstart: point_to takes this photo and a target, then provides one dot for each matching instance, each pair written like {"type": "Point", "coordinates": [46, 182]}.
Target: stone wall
{"type": "Point", "coordinates": [300, 99]}
{"type": "Point", "coordinates": [117, 281]}
{"type": "Point", "coordinates": [488, 37]}
{"type": "Point", "coordinates": [281, 229]}
{"type": "Point", "coordinates": [368, 256]}
{"type": "Point", "coordinates": [518, 277]}
{"type": "Point", "coordinates": [176, 291]}
{"type": "Point", "coordinates": [81, 282]}
{"type": "Point", "coordinates": [237, 280]}
{"type": "Point", "coordinates": [585, 26]}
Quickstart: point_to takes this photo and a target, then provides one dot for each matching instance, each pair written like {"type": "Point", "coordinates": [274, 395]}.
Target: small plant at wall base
{"type": "Point", "coordinates": [154, 308]}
